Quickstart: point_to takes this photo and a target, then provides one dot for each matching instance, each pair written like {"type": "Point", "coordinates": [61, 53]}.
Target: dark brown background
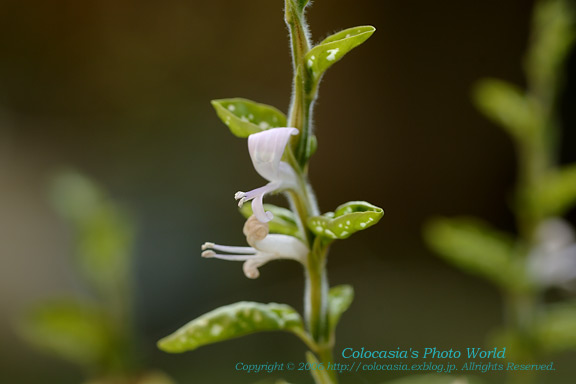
{"type": "Point", "coordinates": [120, 90]}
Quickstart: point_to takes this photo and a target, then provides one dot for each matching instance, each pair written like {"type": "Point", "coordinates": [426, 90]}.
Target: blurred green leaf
{"type": "Point", "coordinates": [434, 378]}
{"type": "Point", "coordinates": [553, 33]}
{"type": "Point", "coordinates": [348, 218]}
{"type": "Point", "coordinates": [72, 330]}
{"type": "Point", "coordinates": [555, 329]}
{"type": "Point", "coordinates": [334, 47]}
{"type": "Point", "coordinates": [104, 234]}
{"type": "Point", "coordinates": [233, 321]}
{"type": "Point", "coordinates": [478, 249]}
{"type": "Point", "coordinates": [245, 117]}
{"type": "Point", "coordinates": [74, 196]}
{"type": "Point", "coordinates": [556, 194]}
{"type": "Point", "coordinates": [339, 299]}
{"type": "Point", "coordinates": [283, 221]}
{"type": "Point", "coordinates": [146, 378]}
{"type": "Point", "coordinates": [506, 105]}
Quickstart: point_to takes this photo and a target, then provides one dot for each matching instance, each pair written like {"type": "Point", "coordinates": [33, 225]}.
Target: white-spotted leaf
{"type": "Point", "coordinates": [334, 47]}
{"type": "Point", "coordinates": [348, 218]}
{"type": "Point", "coordinates": [245, 117]}
{"type": "Point", "coordinates": [233, 321]}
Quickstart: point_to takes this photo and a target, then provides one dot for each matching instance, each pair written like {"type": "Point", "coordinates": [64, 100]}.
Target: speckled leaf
{"type": "Point", "coordinates": [245, 117]}
{"type": "Point", "coordinates": [555, 330]}
{"type": "Point", "coordinates": [476, 247]}
{"type": "Point", "coordinates": [283, 221]}
{"type": "Point", "coordinates": [348, 218]}
{"type": "Point", "coordinates": [233, 321]}
{"type": "Point", "coordinates": [339, 299]}
{"type": "Point", "coordinates": [69, 329]}
{"type": "Point", "coordinates": [506, 105]}
{"type": "Point", "coordinates": [334, 47]}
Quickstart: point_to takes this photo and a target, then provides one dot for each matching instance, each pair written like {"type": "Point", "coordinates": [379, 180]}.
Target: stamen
{"type": "Point", "coordinates": [230, 249]}
{"type": "Point", "coordinates": [231, 257]}
{"type": "Point", "coordinates": [208, 254]}
{"type": "Point", "coordinates": [207, 245]}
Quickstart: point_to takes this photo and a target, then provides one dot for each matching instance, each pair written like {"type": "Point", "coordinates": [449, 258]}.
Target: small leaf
{"type": "Point", "coordinates": [71, 330]}
{"type": "Point", "coordinates": [334, 47]}
{"type": "Point", "coordinates": [233, 321]}
{"type": "Point", "coordinates": [434, 378]}
{"type": "Point", "coordinates": [555, 330]}
{"type": "Point", "coordinates": [348, 218]}
{"type": "Point", "coordinates": [553, 34]}
{"type": "Point", "coordinates": [339, 300]}
{"type": "Point", "coordinates": [245, 117]}
{"type": "Point", "coordinates": [506, 105]}
{"type": "Point", "coordinates": [283, 221]}
{"type": "Point", "coordinates": [556, 194]}
{"type": "Point", "coordinates": [478, 249]}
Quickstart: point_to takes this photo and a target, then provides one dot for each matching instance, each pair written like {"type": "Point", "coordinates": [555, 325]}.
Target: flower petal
{"type": "Point", "coordinates": [266, 149]}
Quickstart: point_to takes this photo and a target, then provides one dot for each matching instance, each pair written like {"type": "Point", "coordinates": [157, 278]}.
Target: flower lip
{"type": "Point", "coordinates": [271, 247]}
{"type": "Point", "coordinates": [266, 149]}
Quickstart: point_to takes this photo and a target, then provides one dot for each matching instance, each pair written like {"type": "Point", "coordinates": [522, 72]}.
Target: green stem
{"type": "Point", "coordinates": [304, 202]}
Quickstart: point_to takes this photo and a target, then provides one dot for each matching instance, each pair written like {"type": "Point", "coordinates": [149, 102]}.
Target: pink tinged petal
{"type": "Point", "coordinates": [266, 149]}
{"type": "Point", "coordinates": [257, 196]}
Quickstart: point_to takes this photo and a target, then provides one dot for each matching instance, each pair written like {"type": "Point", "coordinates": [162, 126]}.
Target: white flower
{"type": "Point", "coordinates": [553, 261]}
{"type": "Point", "coordinates": [266, 149]}
{"type": "Point", "coordinates": [264, 248]}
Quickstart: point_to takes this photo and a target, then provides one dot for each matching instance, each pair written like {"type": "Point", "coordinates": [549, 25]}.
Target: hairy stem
{"type": "Point", "coordinates": [304, 203]}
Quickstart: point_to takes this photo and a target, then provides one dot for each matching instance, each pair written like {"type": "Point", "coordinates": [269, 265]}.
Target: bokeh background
{"type": "Point", "coordinates": [120, 90]}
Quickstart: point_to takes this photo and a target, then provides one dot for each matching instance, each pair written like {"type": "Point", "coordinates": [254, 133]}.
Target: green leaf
{"type": "Point", "coordinates": [103, 233]}
{"type": "Point", "coordinates": [69, 329]}
{"type": "Point", "coordinates": [478, 249]}
{"type": "Point", "coordinates": [556, 194]}
{"type": "Point", "coordinates": [339, 300]}
{"type": "Point", "coordinates": [434, 378]}
{"type": "Point", "coordinates": [553, 33]}
{"type": "Point", "coordinates": [555, 330]}
{"type": "Point", "coordinates": [233, 321]}
{"type": "Point", "coordinates": [146, 378]}
{"type": "Point", "coordinates": [348, 218]}
{"type": "Point", "coordinates": [334, 47]}
{"type": "Point", "coordinates": [507, 106]}
{"type": "Point", "coordinates": [245, 117]}
{"type": "Point", "coordinates": [283, 222]}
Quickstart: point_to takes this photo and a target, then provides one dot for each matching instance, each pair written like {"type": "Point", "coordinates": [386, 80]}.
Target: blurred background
{"type": "Point", "coordinates": [120, 91]}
